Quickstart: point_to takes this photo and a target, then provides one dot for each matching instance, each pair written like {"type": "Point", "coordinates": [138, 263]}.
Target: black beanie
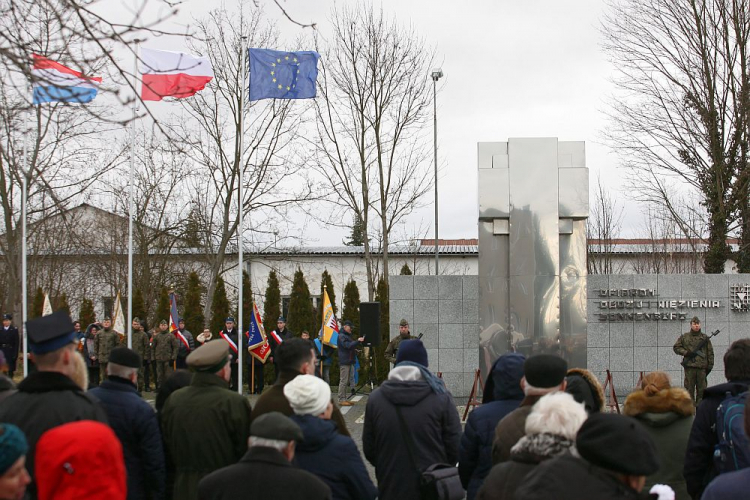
{"type": "Point", "coordinates": [125, 357]}
{"type": "Point", "coordinates": [617, 443]}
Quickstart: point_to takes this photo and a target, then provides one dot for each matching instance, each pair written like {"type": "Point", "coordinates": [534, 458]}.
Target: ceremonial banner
{"type": "Point", "coordinates": [330, 325]}
{"type": "Point", "coordinates": [257, 343]}
{"type": "Point", "coordinates": [174, 320]}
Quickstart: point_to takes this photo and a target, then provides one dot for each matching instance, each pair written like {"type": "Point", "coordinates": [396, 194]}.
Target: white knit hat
{"type": "Point", "coordinates": [308, 395]}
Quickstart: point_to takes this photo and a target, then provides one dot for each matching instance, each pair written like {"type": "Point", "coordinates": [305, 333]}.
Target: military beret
{"type": "Point", "coordinates": [50, 333]}
{"type": "Point", "coordinates": [163, 322]}
{"type": "Point", "coordinates": [209, 358]}
{"type": "Point", "coordinates": [403, 322]}
{"type": "Point", "coordinates": [617, 443]}
{"type": "Point", "coordinates": [545, 371]}
{"type": "Point", "coordinates": [107, 318]}
{"type": "Point", "coordinates": [274, 425]}
{"type": "Point", "coordinates": [7, 316]}
{"type": "Point", "coordinates": [696, 319]}
{"type": "Point", "coordinates": [125, 357]}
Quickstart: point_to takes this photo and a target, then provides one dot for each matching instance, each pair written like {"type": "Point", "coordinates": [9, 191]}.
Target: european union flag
{"type": "Point", "coordinates": [275, 74]}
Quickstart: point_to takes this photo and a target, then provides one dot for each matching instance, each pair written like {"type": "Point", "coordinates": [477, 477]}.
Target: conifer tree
{"type": "Point", "coordinates": [62, 304]}
{"type": "Point", "coordinates": [219, 307]}
{"type": "Point", "coordinates": [325, 280]}
{"type": "Point", "coordinates": [139, 308]}
{"type": "Point", "coordinates": [301, 315]}
{"type": "Point", "coordinates": [357, 237]}
{"type": "Point", "coordinates": [381, 365]}
{"type": "Point", "coordinates": [192, 308]}
{"type": "Point", "coordinates": [406, 270]}
{"type": "Point", "coordinates": [162, 308]}
{"type": "Point", "coordinates": [86, 314]}
{"type": "Point", "coordinates": [271, 302]}
{"type": "Point", "coordinates": [351, 306]}
{"type": "Point", "coordinates": [37, 306]}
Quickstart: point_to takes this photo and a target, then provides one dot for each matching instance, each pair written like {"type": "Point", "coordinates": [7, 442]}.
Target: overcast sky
{"type": "Point", "coordinates": [531, 68]}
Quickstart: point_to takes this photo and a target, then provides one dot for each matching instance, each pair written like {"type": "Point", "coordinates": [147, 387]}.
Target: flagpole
{"type": "Point", "coordinates": [24, 285]}
{"type": "Point", "coordinates": [129, 326]}
{"type": "Point", "coordinates": [240, 348]}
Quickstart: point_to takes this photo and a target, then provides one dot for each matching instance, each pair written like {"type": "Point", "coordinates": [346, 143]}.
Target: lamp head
{"type": "Point", "coordinates": [436, 74]}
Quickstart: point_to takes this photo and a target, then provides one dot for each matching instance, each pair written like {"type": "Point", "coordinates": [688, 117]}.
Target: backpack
{"type": "Point", "coordinates": [733, 450]}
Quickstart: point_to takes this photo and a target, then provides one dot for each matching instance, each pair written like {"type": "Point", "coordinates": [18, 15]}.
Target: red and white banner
{"type": "Point", "coordinates": [173, 74]}
{"type": "Point", "coordinates": [229, 341]}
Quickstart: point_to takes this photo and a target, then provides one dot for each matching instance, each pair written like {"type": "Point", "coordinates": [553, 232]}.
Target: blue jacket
{"type": "Point", "coordinates": [346, 348]}
{"type": "Point", "coordinates": [135, 424]}
{"type": "Point", "coordinates": [475, 451]}
{"type": "Point", "coordinates": [334, 458]}
{"type": "Point", "coordinates": [729, 486]}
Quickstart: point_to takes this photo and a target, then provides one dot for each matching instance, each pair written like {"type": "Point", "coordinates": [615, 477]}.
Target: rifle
{"type": "Point", "coordinates": [697, 351]}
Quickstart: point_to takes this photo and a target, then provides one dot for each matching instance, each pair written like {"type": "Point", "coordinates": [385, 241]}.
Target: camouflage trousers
{"type": "Point", "coordinates": [695, 383]}
{"type": "Point", "coordinates": [102, 372]}
{"type": "Point", "coordinates": [163, 371]}
{"type": "Point", "coordinates": [140, 379]}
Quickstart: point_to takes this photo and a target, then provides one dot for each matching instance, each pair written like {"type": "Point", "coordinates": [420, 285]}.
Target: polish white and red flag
{"type": "Point", "coordinates": [172, 74]}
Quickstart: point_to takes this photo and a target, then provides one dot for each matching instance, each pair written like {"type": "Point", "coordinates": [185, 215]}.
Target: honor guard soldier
{"type": "Point", "coordinates": [403, 334]}
{"type": "Point", "coordinates": [9, 343]}
{"type": "Point", "coordinates": [698, 358]}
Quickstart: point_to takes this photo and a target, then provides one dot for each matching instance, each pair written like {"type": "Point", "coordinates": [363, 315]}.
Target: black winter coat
{"type": "Point", "coordinates": [263, 473]}
{"type": "Point", "coordinates": [45, 400]}
{"type": "Point", "coordinates": [699, 465]}
{"type": "Point", "coordinates": [475, 453]}
{"type": "Point", "coordinates": [433, 423]}
{"type": "Point", "coordinates": [333, 458]}
{"type": "Point", "coordinates": [570, 478]}
{"type": "Point", "coordinates": [9, 344]}
{"type": "Point", "coordinates": [135, 424]}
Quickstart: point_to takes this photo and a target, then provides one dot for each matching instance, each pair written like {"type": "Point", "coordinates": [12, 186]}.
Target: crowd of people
{"type": "Point", "coordinates": [541, 432]}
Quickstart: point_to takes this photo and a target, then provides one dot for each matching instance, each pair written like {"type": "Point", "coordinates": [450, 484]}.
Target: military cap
{"type": "Point", "coordinates": [348, 323]}
{"type": "Point", "coordinates": [281, 319]}
{"type": "Point", "coordinates": [229, 318]}
{"type": "Point", "coordinates": [403, 322]}
{"type": "Point", "coordinates": [125, 357]}
{"type": "Point", "coordinates": [7, 316]}
{"type": "Point", "coordinates": [274, 425]}
{"type": "Point", "coordinates": [696, 320]}
{"type": "Point", "coordinates": [50, 333]}
{"type": "Point", "coordinates": [210, 358]}
{"type": "Point", "coordinates": [163, 322]}
{"type": "Point", "coordinates": [545, 371]}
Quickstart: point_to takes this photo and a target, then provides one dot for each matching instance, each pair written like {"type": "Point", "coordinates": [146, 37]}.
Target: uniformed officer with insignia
{"type": "Point", "coordinates": [698, 361]}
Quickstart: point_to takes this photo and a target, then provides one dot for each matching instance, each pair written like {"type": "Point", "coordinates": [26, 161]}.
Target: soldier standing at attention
{"type": "Point", "coordinates": [698, 363]}
{"type": "Point", "coordinates": [164, 352]}
{"type": "Point", "coordinates": [403, 334]}
{"type": "Point", "coordinates": [9, 342]}
{"type": "Point", "coordinates": [106, 340]}
{"type": "Point", "coordinates": [142, 346]}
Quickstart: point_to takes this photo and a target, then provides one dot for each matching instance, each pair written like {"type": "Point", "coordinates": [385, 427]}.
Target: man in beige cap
{"type": "Point", "coordinates": [205, 425]}
{"type": "Point", "coordinates": [265, 471]}
{"type": "Point", "coordinates": [403, 334]}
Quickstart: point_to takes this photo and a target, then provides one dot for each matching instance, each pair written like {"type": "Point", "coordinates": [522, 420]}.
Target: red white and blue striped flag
{"type": "Point", "coordinates": [54, 82]}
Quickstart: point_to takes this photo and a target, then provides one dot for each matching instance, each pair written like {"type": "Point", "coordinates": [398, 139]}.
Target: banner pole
{"type": "Point", "coordinates": [240, 209]}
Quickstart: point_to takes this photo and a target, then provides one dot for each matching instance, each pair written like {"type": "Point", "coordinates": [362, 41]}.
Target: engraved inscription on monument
{"type": "Point", "coordinates": [643, 304]}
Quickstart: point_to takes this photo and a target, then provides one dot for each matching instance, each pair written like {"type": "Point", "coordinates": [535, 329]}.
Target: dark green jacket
{"type": "Point", "coordinates": [688, 342]}
{"type": "Point", "coordinates": [205, 427]}
{"type": "Point", "coordinates": [105, 341]}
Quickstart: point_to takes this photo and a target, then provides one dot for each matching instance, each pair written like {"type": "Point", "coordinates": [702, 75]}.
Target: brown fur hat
{"type": "Point", "coordinates": [586, 389]}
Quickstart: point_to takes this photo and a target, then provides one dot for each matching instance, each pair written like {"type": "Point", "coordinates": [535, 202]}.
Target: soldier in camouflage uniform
{"type": "Point", "coordinates": [142, 347]}
{"type": "Point", "coordinates": [164, 352]}
{"type": "Point", "coordinates": [699, 366]}
{"type": "Point", "coordinates": [106, 340]}
{"type": "Point", "coordinates": [403, 334]}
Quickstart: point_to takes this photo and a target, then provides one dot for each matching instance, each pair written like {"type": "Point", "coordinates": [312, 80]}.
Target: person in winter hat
{"type": "Point", "coordinates": [13, 475]}
{"type": "Point", "coordinates": [332, 457]}
{"type": "Point", "coordinates": [80, 460]}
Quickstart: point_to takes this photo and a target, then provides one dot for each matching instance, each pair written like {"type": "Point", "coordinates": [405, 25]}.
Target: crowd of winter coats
{"type": "Point", "coordinates": [557, 442]}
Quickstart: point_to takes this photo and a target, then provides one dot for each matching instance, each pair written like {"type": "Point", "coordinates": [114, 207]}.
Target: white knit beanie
{"type": "Point", "coordinates": [308, 395]}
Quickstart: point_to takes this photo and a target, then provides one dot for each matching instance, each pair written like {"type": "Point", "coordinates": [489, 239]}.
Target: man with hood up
{"type": "Point", "coordinates": [475, 452]}
{"type": "Point", "coordinates": [429, 414]}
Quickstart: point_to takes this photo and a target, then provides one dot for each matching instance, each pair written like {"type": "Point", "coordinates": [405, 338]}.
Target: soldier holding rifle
{"type": "Point", "coordinates": [698, 358]}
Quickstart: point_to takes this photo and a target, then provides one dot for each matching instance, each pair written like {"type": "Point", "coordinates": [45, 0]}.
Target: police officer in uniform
{"type": "Point", "coordinates": [9, 343]}
{"type": "Point", "coordinates": [403, 334]}
{"type": "Point", "coordinates": [699, 366]}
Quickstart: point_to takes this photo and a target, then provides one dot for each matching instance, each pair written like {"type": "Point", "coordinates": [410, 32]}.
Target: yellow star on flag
{"type": "Point", "coordinates": [287, 58]}
{"type": "Point", "coordinates": [279, 87]}
{"type": "Point", "coordinates": [278, 60]}
{"type": "Point", "coordinates": [288, 88]}
{"type": "Point", "coordinates": [273, 64]}
{"type": "Point", "coordinates": [274, 80]}
{"type": "Point", "coordinates": [295, 59]}
{"type": "Point", "coordinates": [272, 73]}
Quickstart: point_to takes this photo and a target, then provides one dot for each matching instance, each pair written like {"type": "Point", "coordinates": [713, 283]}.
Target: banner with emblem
{"type": "Point", "coordinates": [118, 319]}
{"type": "Point", "coordinates": [257, 342]}
{"type": "Point", "coordinates": [174, 320]}
{"type": "Point", "coordinates": [330, 325]}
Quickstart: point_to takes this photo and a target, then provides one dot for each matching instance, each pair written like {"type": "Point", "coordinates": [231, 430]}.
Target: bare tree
{"type": "Point", "coordinates": [371, 148]}
{"type": "Point", "coordinates": [602, 229]}
{"type": "Point", "coordinates": [682, 113]}
{"type": "Point", "coordinates": [210, 139]}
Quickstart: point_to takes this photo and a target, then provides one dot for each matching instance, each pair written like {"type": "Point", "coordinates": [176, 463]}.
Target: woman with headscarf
{"type": "Point", "coordinates": [551, 429]}
{"type": "Point", "coordinates": [13, 475]}
{"type": "Point", "coordinates": [667, 414]}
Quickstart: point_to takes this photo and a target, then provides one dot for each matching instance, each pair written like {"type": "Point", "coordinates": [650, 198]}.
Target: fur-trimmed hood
{"type": "Point", "coordinates": [585, 388]}
{"type": "Point", "coordinates": [675, 400]}
{"type": "Point", "coordinates": [534, 448]}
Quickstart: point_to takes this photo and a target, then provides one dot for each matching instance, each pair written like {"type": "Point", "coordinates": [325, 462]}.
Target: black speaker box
{"type": "Point", "coordinates": [369, 322]}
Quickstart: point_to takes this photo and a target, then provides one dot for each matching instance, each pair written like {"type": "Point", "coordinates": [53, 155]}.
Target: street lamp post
{"type": "Point", "coordinates": [436, 74]}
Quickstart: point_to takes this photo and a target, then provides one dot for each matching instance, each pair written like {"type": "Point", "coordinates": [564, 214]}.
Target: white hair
{"type": "Point", "coordinates": [557, 413]}
{"type": "Point", "coordinates": [120, 370]}
{"type": "Point", "coordinates": [276, 444]}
